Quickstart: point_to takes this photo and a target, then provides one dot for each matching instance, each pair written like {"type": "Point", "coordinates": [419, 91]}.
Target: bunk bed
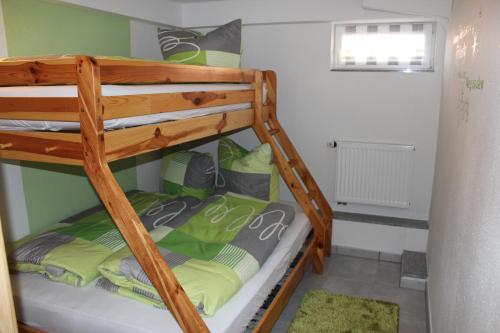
{"type": "Point", "coordinates": [236, 103]}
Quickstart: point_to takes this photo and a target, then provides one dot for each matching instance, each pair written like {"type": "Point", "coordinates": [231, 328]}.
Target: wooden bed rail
{"type": "Point", "coordinates": [66, 108]}
{"type": "Point", "coordinates": [65, 148]}
{"type": "Point", "coordinates": [61, 70]}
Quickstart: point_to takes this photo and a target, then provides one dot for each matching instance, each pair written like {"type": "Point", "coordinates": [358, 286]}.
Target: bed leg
{"type": "Point", "coordinates": [117, 204]}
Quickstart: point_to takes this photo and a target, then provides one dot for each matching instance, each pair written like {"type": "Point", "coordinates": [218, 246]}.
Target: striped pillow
{"type": "Point", "coordinates": [220, 47]}
{"type": "Point", "coordinates": [188, 173]}
{"type": "Point", "coordinates": [246, 172]}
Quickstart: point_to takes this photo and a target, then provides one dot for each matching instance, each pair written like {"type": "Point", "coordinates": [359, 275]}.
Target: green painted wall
{"type": "Point", "coordinates": [35, 27]}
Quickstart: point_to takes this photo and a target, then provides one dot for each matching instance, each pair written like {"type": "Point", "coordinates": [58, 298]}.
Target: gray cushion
{"type": "Point", "coordinates": [220, 47]}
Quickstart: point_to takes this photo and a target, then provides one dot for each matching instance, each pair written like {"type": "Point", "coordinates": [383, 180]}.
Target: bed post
{"type": "Point", "coordinates": [290, 165]}
{"type": "Point", "coordinates": [117, 204]}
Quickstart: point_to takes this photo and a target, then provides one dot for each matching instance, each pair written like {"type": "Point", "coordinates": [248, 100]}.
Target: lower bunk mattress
{"type": "Point", "coordinates": [118, 90]}
{"type": "Point", "coordinates": [56, 307]}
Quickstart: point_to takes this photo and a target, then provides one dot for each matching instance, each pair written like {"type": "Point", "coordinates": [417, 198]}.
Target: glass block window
{"type": "Point", "coordinates": [390, 46]}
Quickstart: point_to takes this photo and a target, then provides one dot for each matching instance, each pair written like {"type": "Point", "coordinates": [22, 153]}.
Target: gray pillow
{"type": "Point", "coordinates": [220, 47]}
{"type": "Point", "coordinates": [188, 173]}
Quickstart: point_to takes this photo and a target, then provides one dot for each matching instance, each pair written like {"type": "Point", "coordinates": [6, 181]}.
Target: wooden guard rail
{"type": "Point", "coordinates": [93, 148]}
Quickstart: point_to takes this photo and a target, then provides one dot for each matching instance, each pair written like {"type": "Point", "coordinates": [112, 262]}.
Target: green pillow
{"type": "Point", "coordinates": [246, 172]}
{"type": "Point", "coordinates": [220, 47]}
{"type": "Point", "coordinates": [188, 173]}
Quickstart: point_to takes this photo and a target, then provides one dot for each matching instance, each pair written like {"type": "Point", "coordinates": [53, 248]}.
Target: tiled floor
{"type": "Point", "coordinates": [362, 277]}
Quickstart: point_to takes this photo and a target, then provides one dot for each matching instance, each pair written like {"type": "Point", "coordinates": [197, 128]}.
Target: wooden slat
{"type": "Point", "coordinates": [62, 70]}
{"type": "Point", "coordinates": [36, 73]}
{"type": "Point", "coordinates": [24, 156]}
{"type": "Point", "coordinates": [44, 135]}
{"type": "Point", "coordinates": [39, 108]}
{"type": "Point", "coordinates": [138, 239]}
{"type": "Point", "coordinates": [281, 299]}
{"type": "Point", "coordinates": [136, 105]}
{"type": "Point", "coordinates": [115, 71]}
{"type": "Point", "coordinates": [273, 131]}
{"type": "Point", "coordinates": [136, 140]}
{"type": "Point", "coordinates": [7, 311]}
{"type": "Point", "coordinates": [51, 147]}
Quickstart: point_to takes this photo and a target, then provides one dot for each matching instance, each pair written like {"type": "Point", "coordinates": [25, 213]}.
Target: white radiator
{"type": "Point", "coordinates": [373, 173]}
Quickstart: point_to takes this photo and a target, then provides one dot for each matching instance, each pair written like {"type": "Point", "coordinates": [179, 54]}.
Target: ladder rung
{"type": "Point", "coordinates": [274, 131]}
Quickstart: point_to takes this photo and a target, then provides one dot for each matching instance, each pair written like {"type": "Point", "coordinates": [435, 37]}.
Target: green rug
{"type": "Point", "coordinates": [323, 312]}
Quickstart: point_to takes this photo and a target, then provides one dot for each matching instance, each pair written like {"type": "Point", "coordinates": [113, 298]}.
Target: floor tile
{"type": "Point", "coordinates": [280, 327]}
{"type": "Point", "coordinates": [357, 269]}
{"type": "Point", "coordinates": [388, 273]}
{"type": "Point", "coordinates": [408, 323]}
{"type": "Point", "coordinates": [364, 278]}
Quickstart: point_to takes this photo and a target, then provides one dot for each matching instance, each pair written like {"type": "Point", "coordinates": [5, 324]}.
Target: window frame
{"type": "Point", "coordinates": [333, 54]}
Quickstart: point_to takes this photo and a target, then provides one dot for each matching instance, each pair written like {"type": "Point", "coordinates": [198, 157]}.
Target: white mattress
{"type": "Point", "coordinates": [57, 307]}
{"type": "Point", "coordinates": [117, 90]}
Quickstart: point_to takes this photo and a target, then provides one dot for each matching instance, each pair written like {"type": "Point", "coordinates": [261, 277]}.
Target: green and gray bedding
{"type": "Point", "coordinates": [220, 47]}
{"type": "Point", "coordinates": [71, 250]}
{"type": "Point", "coordinates": [213, 247]}
{"type": "Point", "coordinates": [248, 172]}
{"type": "Point", "coordinates": [188, 173]}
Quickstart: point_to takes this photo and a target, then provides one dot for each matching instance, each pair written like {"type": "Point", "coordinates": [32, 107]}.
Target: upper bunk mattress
{"type": "Point", "coordinates": [117, 90]}
{"type": "Point", "coordinates": [58, 308]}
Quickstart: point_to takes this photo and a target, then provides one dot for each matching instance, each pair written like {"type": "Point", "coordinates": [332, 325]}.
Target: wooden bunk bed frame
{"type": "Point", "coordinates": [93, 147]}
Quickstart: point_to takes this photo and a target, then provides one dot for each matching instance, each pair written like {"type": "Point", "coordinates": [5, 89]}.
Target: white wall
{"type": "Point", "coordinates": [464, 245]}
{"type": "Point", "coordinates": [14, 217]}
{"type": "Point", "coordinates": [212, 13]}
{"type": "Point", "coordinates": [160, 11]}
{"type": "Point", "coordinates": [317, 105]}
{"type": "Point", "coordinates": [144, 43]}
{"type": "Point", "coordinates": [420, 7]}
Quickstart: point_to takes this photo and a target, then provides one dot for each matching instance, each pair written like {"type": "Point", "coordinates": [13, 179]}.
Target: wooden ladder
{"type": "Point", "coordinates": [292, 168]}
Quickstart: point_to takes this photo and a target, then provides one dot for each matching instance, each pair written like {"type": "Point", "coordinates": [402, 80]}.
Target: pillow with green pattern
{"type": "Point", "coordinates": [246, 172]}
{"type": "Point", "coordinates": [188, 173]}
{"type": "Point", "coordinates": [220, 47]}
